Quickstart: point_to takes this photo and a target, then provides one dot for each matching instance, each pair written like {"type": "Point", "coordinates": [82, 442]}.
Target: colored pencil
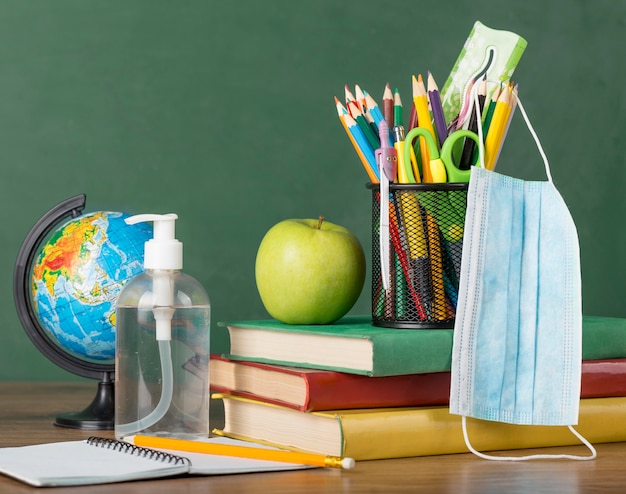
{"type": "Point", "coordinates": [369, 163]}
{"type": "Point", "coordinates": [437, 110]}
{"type": "Point", "coordinates": [388, 106]}
{"type": "Point", "coordinates": [497, 126]}
{"type": "Point", "coordinates": [412, 117]}
{"type": "Point", "coordinates": [241, 451]}
{"type": "Point", "coordinates": [423, 120]}
{"type": "Point", "coordinates": [359, 97]}
{"type": "Point", "coordinates": [377, 115]}
{"type": "Point", "coordinates": [368, 132]}
{"type": "Point", "coordinates": [513, 105]}
{"type": "Point", "coordinates": [488, 115]}
{"type": "Point", "coordinates": [373, 108]}
{"type": "Point", "coordinates": [397, 109]}
{"type": "Point", "coordinates": [348, 94]}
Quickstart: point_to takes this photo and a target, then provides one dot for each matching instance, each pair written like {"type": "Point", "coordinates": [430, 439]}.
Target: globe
{"type": "Point", "coordinates": [77, 276]}
{"type": "Point", "coordinates": [68, 274]}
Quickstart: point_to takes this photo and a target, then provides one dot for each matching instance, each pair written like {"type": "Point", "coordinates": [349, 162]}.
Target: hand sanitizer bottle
{"type": "Point", "coordinates": [162, 344]}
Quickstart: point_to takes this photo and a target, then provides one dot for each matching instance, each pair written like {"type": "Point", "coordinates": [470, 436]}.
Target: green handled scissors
{"type": "Point", "coordinates": [442, 166]}
{"type": "Point", "coordinates": [449, 214]}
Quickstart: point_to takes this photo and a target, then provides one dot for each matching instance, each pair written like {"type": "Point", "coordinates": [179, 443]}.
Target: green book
{"type": "Point", "coordinates": [354, 345]}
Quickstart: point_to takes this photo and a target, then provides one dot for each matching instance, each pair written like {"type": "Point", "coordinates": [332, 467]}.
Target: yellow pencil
{"type": "Point", "coordinates": [420, 99]}
{"type": "Point", "coordinates": [497, 126]}
{"type": "Point", "coordinates": [240, 451]}
{"type": "Point", "coordinates": [512, 105]}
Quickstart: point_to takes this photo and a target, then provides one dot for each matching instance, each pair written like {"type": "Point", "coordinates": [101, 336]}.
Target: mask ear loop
{"type": "Point", "coordinates": [481, 147]}
{"type": "Point", "coordinates": [481, 161]}
{"type": "Point", "coordinates": [484, 456]}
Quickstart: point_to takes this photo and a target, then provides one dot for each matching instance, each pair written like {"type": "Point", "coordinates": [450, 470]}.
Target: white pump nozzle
{"type": "Point", "coordinates": [163, 251]}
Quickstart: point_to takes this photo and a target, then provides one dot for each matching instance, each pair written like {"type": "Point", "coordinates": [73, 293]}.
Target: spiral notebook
{"type": "Point", "coordinates": [102, 461]}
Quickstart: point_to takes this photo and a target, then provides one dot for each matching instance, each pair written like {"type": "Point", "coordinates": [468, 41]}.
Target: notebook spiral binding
{"type": "Point", "coordinates": [124, 447]}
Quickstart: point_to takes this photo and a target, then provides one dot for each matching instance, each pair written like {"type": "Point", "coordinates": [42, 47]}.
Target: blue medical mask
{"type": "Point", "coordinates": [517, 347]}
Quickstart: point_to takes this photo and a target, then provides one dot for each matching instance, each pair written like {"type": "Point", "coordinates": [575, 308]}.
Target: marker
{"type": "Point", "coordinates": [241, 451]}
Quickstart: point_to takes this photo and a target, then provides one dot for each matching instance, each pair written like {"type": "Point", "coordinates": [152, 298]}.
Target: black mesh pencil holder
{"type": "Point", "coordinates": [425, 245]}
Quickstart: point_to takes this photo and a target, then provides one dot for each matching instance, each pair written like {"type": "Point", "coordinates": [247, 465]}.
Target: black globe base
{"type": "Point", "coordinates": [99, 415]}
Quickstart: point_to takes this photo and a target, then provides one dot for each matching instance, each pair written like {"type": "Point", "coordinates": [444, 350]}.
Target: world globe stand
{"type": "Point", "coordinates": [99, 414]}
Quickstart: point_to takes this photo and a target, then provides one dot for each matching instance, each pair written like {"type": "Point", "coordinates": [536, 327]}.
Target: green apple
{"type": "Point", "coordinates": [309, 271]}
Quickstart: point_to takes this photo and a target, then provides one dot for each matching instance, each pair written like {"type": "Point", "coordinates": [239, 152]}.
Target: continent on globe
{"type": "Point", "coordinates": [77, 276]}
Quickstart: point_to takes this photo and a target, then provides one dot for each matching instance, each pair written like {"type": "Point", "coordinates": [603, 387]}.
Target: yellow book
{"type": "Point", "coordinates": [403, 432]}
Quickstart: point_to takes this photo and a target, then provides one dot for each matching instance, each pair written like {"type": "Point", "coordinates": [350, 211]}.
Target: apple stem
{"type": "Point", "coordinates": [319, 223]}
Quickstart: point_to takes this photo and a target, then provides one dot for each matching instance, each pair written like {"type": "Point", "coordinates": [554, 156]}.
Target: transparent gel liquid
{"type": "Point", "coordinates": [146, 367]}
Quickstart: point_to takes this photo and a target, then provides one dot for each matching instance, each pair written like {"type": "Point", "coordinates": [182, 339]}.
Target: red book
{"type": "Point", "coordinates": [603, 378]}
{"type": "Point", "coordinates": [317, 390]}
{"type": "Point", "coordinates": [313, 389]}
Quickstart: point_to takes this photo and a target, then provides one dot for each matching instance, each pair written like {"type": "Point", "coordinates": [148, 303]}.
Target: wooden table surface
{"type": "Point", "coordinates": [28, 410]}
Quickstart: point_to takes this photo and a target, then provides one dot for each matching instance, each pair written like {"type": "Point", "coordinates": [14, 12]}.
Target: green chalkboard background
{"type": "Point", "coordinates": [222, 112]}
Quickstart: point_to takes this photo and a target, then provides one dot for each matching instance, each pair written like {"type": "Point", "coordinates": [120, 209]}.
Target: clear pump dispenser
{"type": "Point", "coordinates": [162, 344]}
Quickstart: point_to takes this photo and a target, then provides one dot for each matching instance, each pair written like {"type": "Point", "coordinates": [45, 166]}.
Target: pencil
{"type": "Point", "coordinates": [368, 132]}
{"type": "Point", "coordinates": [367, 164]}
{"type": "Point", "coordinates": [374, 111]}
{"type": "Point", "coordinates": [348, 94]}
{"type": "Point", "coordinates": [362, 147]}
{"type": "Point", "coordinates": [490, 108]}
{"type": "Point", "coordinates": [423, 120]}
{"type": "Point", "coordinates": [513, 105]}
{"type": "Point", "coordinates": [412, 117]}
{"type": "Point", "coordinates": [373, 108]}
{"type": "Point", "coordinates": [496, 127]}
{"type": "Point", "coordinates": [359, 97]}
{"type": "Point", "coordinates": [397, 109]}
{"type": "Point", "coordinates": [435, 106]}
{"type": "Point", "coordinates": [241, 451]}
{"type": "Point", "coordinates": [388, 106]}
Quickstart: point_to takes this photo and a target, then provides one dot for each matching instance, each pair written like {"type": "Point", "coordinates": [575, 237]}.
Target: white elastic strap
{"type": "Point", "coordinates": [481, 147]}
{"type": "Point", "coordinates": [531, 457]}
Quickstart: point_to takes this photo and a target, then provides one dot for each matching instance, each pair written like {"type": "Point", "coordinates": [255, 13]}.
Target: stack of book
{"type": "Point", "coordinates": [353, 389]}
